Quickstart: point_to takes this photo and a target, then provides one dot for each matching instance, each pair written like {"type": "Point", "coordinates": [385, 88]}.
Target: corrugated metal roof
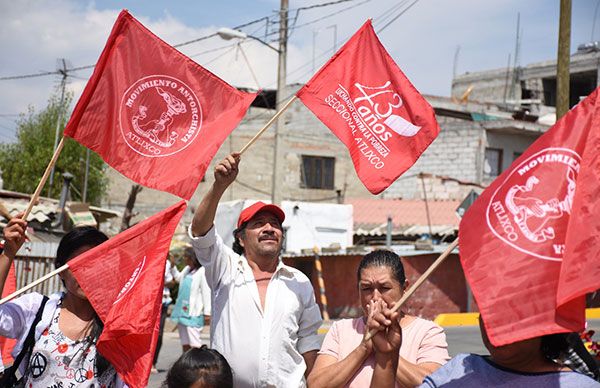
{"type": "Point", "coordinates": [405, 230]}
{"type": "Point", "coordinates": [47, 208]}
{"type": "Point", "coordinates": [409, 217]}
{"type": "Point", "coordinates": [41, 212]}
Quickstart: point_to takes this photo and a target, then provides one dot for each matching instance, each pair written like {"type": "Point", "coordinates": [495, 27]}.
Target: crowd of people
{"type": "Point", "coordinates": [264, 320]}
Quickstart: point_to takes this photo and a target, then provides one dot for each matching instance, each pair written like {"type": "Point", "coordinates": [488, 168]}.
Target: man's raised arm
{"type": "Point", "coordinates": [225, 173]}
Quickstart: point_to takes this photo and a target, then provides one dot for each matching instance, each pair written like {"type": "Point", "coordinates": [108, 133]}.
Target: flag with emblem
{"type": "Point", "coordinates": [152, 113]}
{"type": "Point", "coordinates": [123, 280]}
{"type": "Point", "coordinates": [534, 224]}
{"type": "Point", "coordinates": [370, 105]}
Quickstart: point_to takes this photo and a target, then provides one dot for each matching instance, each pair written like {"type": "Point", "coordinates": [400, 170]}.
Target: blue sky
{"type": "Point", "coordinates": [423, 41]}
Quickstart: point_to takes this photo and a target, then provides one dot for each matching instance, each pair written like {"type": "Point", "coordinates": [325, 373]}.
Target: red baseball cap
{"type": "Point", "coordinates": [250, 211]}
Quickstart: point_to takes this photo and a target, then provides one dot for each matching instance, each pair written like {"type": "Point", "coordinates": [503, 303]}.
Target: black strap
{"type": "Point", "coordinates": [9, 378]}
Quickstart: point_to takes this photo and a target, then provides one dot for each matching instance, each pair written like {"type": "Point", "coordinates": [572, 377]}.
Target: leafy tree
{"type": "Point", "coordinates": [23, 163]}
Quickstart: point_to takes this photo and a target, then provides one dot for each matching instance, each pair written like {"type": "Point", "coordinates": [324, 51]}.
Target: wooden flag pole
{"type": "Point", "coordinates": [269, 123]}
{"type": "Point", "coordinates": [32, 201]}
{"type": "Point", "coordinates": [33, 284]}
{"type": "Point", "coordinates": [38, 190]}
{"type": "Point", "coordinates": [322, 294]}
{"type": "Point", "coordinates": [418, 283]}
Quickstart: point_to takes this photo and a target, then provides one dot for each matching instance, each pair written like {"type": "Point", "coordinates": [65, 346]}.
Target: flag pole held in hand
{"type": "Point", "coordinates": [38, 190]}
{"type": "Point", "coordinates": [268, 124]}
{"type": "Point", "coordinates": [418, 283]}
{"type": "Point", "coordinates": [33, 284]}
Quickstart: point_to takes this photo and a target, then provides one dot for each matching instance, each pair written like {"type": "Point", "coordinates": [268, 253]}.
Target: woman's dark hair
{"type": "Point", "coordinates": [80, 237]}
{"type": "Point", "coordinates": [383, 258]}
{"type": "Point", "coordinates": [189, 253]}
{"type": "Point", "coordinates": [203, 365]}
{"type": "Point", "coordinates": [553, 345]}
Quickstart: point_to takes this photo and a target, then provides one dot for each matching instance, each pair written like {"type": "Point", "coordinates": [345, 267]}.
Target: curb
{"type": "Point", "coordinates": [472, 319]}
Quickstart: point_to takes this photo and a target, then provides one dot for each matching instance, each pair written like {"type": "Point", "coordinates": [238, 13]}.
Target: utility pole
{"type": "Point", "coordinates": [281, 94]}
{"type": "Point", "coordinates": [63, 85]}
{"type": "Point", "coordinates": [516, 65]}
{"type": "Point", "coordinates": [86, 175]}
{"type": "Point", "coordinates": [563, 60]}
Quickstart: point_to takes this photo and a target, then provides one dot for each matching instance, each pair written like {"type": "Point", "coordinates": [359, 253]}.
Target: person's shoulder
{"type": "Point", "coordinates": [348, 323]}
{"type": "Point", "coordinates": [34, 299]}
{"type": "Point", "coordinates": [575, 379]}
{"type": "Point", "coordinates": [425, 326]}
{"type": "Point", "coordinates": [459, 365]}
{"type": "Point", "coordinates": [298, 275]}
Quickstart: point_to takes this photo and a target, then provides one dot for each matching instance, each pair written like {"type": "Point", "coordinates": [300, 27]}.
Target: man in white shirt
{"type": "Point", "coordinates": [265, 317]}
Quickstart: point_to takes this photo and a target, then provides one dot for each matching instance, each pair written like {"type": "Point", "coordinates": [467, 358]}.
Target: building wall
{"type": "Point", "coordinates": [510, 144]}
{"type": "Point", "coordinates": [444, 292]}
{"type": "Point", "coordinates": [492, 85]}
{"type": "Point", "coordinates": [456, 153]}
{"type": "Point", "coordinates": [304, 134]}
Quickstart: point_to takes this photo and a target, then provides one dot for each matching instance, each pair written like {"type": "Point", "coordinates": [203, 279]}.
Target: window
{"type": "Point", "coordinates": [516, 155]}
{"type": "Point", "coordinates": [492, 166]}
{"type": "Point", "coordinates": [316, 172]}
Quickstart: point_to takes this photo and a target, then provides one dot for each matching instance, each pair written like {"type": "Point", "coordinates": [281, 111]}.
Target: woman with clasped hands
{"type": "Point", "coordinates": [405, 348]}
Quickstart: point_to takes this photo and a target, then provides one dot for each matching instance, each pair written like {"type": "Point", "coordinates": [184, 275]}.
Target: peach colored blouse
{"type": "Point", "coordinates": [422, 341]}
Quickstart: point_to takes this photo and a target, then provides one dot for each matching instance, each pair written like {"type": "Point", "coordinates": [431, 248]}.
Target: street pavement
{"type": "Point", "coordinates": [463, 339]}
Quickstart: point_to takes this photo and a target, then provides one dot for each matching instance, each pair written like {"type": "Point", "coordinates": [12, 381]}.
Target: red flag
{"type": "Point", "coordinates": [123, 280]}
{"type": "Point", "coordinates": [580, 270]}
{"type": "Point", "coordinates": [370, 105]}
{"type": "Point", "coordinates": [518, 235]}
{"type": "Point", "coordinates": [152, 113]}
{"type": "Point", "coordinates": [7, 344]}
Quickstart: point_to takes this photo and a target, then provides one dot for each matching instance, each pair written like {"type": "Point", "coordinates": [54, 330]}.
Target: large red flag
{"type": "Point", "coordinates": [580, 270]}
{"type": "Point", "coordinates": [152, 113]}
{"type": "Point", "coordinates": [519, 234]}
{"type": "Point", "coordinates": [370, 105]}
{"type": "Point", "coordinates": [123, 280]}
{"type": "Point", "coordinates": [7, 344]}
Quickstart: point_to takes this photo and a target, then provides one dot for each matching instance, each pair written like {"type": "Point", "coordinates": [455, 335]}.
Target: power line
{"type": "Point", "coordinates": [213, 50]}
{"type": "Point", "coordinates": [264, 18]}
{"type": "Point", "coordinates": [376, 22]}
{"type": "Point", "coordinates": [195, 40]}
{"type": "Point", "coordinates": [397, 16]}
{"type": "Point", "coordinates": [29, 75]}
{"type": "Point", "coordinates": [294, 27]}
{"type": "Point", "coordinates": [319, 5]}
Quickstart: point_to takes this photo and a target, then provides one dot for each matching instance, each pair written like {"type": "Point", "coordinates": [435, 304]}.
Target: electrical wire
{"type": "Point", "coordinates": [330, 15]}
{"type": "Point", "coordinates": [47, 73]}
{"type": "Point", "coordinates": [397, 16]}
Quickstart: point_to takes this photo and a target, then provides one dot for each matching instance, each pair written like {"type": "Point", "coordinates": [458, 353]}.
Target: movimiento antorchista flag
{"type": "Point", "coordinates": [370, 105]}
{"type": "Point", "coordinates": [123, 280]}
{"type": "Point", "coordinates": [152, 113]}
{"type": "Point", "coordinates": [536, 222]}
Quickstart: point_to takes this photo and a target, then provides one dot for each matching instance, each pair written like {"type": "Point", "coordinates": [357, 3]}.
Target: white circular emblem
{"type": "Point", "coordinates": [159, 115]}
{"type": "Point", "coordinates": [530, 210]}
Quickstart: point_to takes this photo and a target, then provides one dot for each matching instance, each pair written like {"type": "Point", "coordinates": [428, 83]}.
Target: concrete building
{"type": "Point", "coordinates": [476, 143]}
{"type": "Point", "coordinates": [532, 88]}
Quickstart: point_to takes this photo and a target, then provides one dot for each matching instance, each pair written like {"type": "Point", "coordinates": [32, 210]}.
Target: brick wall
{"type": "Point", "coordinates": [444, 292]}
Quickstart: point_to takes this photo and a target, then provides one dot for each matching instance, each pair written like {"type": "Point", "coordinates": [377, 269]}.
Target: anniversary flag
{"type": "Point", "coordinates": [370, 105]}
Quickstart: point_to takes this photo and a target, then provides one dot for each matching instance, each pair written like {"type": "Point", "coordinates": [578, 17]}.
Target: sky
{"type": "Point", "coordinates": [423, 41]}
